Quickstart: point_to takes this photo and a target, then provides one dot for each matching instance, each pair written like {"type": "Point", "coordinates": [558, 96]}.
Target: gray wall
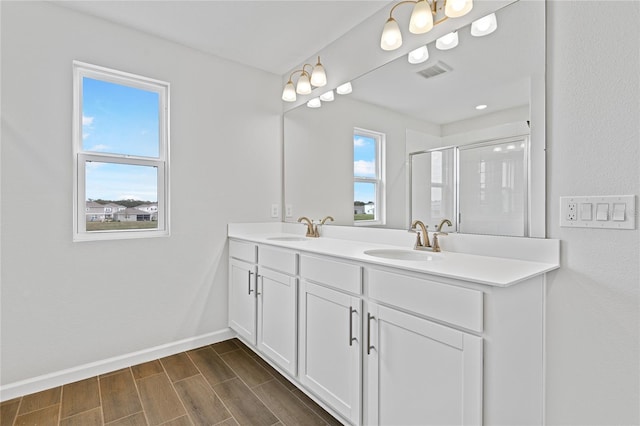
{"type": "Point", "coordinates": [66, 304]}
{"type": "Point", "coordinates": [593, 135]}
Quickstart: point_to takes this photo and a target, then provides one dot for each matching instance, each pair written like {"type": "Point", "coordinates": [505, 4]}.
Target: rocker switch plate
{"type": "Point", "coordinates": [608, 211]}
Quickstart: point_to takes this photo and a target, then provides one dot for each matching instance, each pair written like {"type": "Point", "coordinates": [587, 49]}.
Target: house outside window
{"type": "Point", "coordinates": [368, 177]}
{"type": "Point", "coordinates": [121, 154]}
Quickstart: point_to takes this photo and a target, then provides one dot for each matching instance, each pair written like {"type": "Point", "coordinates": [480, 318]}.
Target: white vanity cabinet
{"type": "Point", "coordinates": [420, 372]}
{"type": "Point", "coordinates": [276, 292]}
{"type": "Point", "coordinates": [330, 333]}
{"type": "Point", "coordinates": [242, 289]}
{"type": "Point", "coordinates": [383, 344]}
{"type": "Point", "coordinates": [263, 300]}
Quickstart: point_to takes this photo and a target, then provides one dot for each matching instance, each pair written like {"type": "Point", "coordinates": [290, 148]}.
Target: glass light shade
{"type": "Point", "coordinates": [314, 103]}
{"type": "Point", "coordinates": [421, 18]}
{"type": "Point", "coordinates": [327, 96]}
{"type": "Point", "coordinates": [344, 89]}
{"type": "Point", "coordinates": [304, 85]}
{"type": "Point", "coordinates": [318, 75]}
{"type": "Point", "coordinates": [484, 26]}
{"type": "Point", "coordinates": [418, 55]}
{"type": "Point", "coordinates": [289, 92]}
{"type": "Point", "coordinates": [457, 8]}
{"type": "Point", "coordinates": [391, 36]}
{"type": "Point", "coordinates": [446, 42]}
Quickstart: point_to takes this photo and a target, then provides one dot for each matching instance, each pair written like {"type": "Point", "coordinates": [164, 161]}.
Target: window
{"type": "Point", "coordinates": [121, 154]}
{"type": "Point", "coordinates": [368, 177]}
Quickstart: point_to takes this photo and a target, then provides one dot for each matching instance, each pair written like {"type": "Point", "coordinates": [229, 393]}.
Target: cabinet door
{"type": "Point", "coordinates": [420, 372]}
{"type": "Point", "coordinates": [242, 299]}
{"type": "Point", "coordinates": [330, 358]}
{"type": "Point", "coordinates": [277, 315]}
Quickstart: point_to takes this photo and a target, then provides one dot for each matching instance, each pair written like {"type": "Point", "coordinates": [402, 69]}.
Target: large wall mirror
{"type": "Point", "coordinates": [406, 117]}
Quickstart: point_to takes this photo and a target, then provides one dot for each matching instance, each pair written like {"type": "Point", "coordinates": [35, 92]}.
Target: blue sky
{"type": "Point", "coordinates": [120, 119]}
{"type": "Point", "coordinates": [364, 165]}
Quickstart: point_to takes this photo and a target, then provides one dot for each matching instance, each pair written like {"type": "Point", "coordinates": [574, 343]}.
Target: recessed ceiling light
{"type": "Point", "coordinates": [481, 106]}
{"type": "Point", "coordinates": [344, 89]}
{"type": "Point", "coordinates": [327, 96]}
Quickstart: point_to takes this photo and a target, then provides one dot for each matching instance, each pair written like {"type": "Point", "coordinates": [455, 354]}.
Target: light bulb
{"type": "Point", "coordinates": [418, 55]}
{"type": "Point", "coordinates": [447, 41]}
{"type": "Point", "coordinates": [289, 92]}
{"type": "Point", "coordinates": [481, 107]}
{"type": "Point", "coordinates": [304, 85]}
{"type": "Point", "coordinates": [314, 103]}
{"type": "Point", "coordinates": [391, 36]}
{"type": "Point", "coordinates": [327, 96]}
{"type": "Point", "coordinates": [484, 26]}
{"type": "Point", "coordinates": [457, 8]}
{"type": "Point", "coordinates": [344, 89]}
{"type": "Point", "coordinates": [421, 18]}
{"type": "Point", "coordinates": [318, 75]}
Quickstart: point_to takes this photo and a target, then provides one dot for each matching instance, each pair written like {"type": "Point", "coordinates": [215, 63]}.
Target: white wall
{"type": "Point", "coordinates": [593, 135]}
{"type": "Point", "coordinates": [66, 304]}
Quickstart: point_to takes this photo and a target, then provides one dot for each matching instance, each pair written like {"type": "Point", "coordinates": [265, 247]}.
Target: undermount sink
{"type": "Point", "coordinates": [287, 239]}
{"type": "Point", "coordinates": [401, 254]}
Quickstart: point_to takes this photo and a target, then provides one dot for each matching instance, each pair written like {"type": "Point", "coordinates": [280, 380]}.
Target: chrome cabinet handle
{"type": "Point", "coordinates": [369, 347]}
{"type": "Point", "coordinates": [250, 289]}
{"type": "Point", "coordinates": [351, 338]}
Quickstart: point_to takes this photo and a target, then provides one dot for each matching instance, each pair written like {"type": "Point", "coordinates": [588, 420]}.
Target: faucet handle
{"type": "Point", "coordinates": [436, 243]}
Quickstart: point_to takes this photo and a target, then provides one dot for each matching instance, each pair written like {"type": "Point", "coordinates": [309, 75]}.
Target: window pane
{"type": "Point", "coordinates": [119, 119]}
{"type": "Point", "coordinates": [364, 201]}
{"type": "Point", "coordinates": [121, 196]}
{"type": "Point", "coordinates": [364, 156]}
{"type": "Point", "coordinates": [432, 186]}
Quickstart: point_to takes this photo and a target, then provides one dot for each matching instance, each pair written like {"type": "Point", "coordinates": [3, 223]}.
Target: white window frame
{"type": "Point", "coordinates": [82, 157]}
{"type": "Point", "coordinates": [378, 181]}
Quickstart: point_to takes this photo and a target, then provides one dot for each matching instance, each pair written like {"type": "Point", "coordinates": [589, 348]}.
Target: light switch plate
{"type": "Point", "coordinates": [603, 212]}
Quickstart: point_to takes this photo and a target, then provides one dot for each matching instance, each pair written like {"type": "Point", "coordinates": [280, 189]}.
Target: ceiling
{"type": "Point", "coordinates": [274, 36]}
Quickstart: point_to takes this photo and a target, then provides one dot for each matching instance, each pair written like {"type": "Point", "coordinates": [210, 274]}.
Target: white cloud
{"type": "Point", "coordinates": [99, 148]}
{"type": "Point", "coordinates": [87, 121]}
{"type": "Point", "coordinates": [85, 135]}
{"type": "Point", "coordinates": [364, 168]}
{"type": "Point", "coordinates": [129, 197]}
{"type": "Point", "coordinates": [360, 141]}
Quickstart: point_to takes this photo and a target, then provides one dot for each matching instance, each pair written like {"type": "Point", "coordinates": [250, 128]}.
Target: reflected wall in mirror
{"type": "Point", "coordinates": [416, 110]}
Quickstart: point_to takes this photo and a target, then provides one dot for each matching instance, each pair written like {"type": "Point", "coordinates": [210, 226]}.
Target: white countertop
{"type": "Point", "coordinates": [488, 270]}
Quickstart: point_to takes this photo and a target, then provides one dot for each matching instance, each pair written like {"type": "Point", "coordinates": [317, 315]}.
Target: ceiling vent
{"type": "Point", "coordinates": [436, 69]}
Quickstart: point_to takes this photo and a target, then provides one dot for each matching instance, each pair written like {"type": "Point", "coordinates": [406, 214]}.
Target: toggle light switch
{"type": "Point", "coordinates": [602, 212]}
{"type": "Point", "coordinates": [618, 212]}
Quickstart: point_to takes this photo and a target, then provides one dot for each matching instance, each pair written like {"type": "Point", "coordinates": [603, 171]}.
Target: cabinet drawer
{"type": "Point", "coordinates": [277, 259]}
{"type": "Point", "coordinates": [242, 250]}
{"type": "Point", "coordinates": [340, 275]}
{"type": "Point", "coordinates": [455, 305]}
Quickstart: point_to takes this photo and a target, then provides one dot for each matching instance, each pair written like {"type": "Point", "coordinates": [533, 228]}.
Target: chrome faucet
{"type": "Point", "coordinates": [312, 230]}
{"type": "Point", "coordinates": [423, 228]}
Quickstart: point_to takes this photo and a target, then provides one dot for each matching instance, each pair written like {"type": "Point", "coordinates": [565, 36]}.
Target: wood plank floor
{"type": "Point", "coordinates": [221, 384]}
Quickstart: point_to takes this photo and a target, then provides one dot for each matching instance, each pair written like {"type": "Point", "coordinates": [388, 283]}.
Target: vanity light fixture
{"type": "Point", "coordinates": [306, 81]}
{"type": "Point", "coordinates": [344, 89]}
{"type": "Point", "coordinates": [422, 18]}
{"type": "Point", "coordinates": [484, 26]}
{"type": "Point", "coordinates": [419, 55]}
{"type": "Point", "coordinates": [327, 96]}
{"type": "Point", "coordinates": [447, 41]}
{"type": "Point", "coordinates": [314, 103]}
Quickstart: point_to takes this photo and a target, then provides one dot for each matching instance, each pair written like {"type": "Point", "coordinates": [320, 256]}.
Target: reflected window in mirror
{"type": "Point", "coordinates": [368, 177]}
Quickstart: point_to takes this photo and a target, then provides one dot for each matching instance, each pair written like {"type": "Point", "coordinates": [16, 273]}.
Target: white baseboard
{"type": "Point", "coordinates": [81, 372]}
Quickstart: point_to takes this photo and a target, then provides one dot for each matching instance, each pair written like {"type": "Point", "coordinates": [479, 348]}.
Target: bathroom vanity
{"type": "Point", "coordinates": [380, 334]}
